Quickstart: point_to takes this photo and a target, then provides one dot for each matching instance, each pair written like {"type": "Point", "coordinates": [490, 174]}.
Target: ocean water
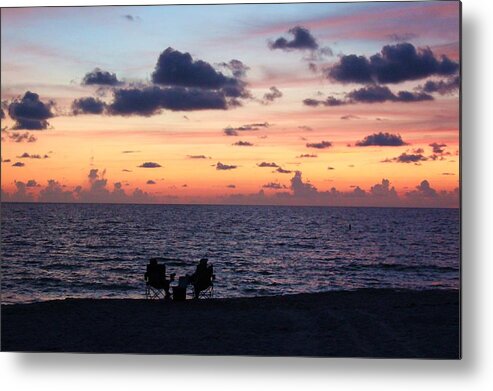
{"type": "Point", "coordinates": [55, 251]}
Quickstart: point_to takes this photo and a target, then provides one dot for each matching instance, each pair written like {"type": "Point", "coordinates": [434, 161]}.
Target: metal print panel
{"type": "Point", "coordinates": [242, 179]}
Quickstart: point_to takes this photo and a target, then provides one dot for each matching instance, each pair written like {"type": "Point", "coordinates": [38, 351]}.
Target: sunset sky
{"type": "Point", "coordinates": [297, 104]}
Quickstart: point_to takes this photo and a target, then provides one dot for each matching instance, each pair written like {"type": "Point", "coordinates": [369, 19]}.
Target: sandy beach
{"type": "Point", "coordinates": [363, 323]}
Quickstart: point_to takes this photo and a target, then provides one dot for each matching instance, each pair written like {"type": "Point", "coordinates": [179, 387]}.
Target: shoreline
{"type": "Point", "coordinates": [383, 323]}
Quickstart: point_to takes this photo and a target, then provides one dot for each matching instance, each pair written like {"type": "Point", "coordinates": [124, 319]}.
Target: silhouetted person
{"type": "Point", "coordinates": [201, 279]}
{"type": "Point", "coordinates": [156, 276]}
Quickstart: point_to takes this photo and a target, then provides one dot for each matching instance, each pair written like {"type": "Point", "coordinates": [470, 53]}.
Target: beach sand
{"type": "Point", "coordinates": [362, 323]}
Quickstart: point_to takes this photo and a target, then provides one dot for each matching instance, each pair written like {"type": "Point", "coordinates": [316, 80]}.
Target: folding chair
{"type": "Point", "coordinates": [157, 286]}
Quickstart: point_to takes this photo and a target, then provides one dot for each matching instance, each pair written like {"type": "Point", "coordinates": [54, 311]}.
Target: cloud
{"type": "Point", "coordinates": [243, 144]}
{"type": "Point", "coordinates": [99, 77]}
{"type": "Point", "coordinates": [443, 87]}
{"type": "Point", "coordinates": [220, 166]}
{"type": "Point", "coordinates": [302, 40]}
{"type": "Point", "coordinates": [409, 158]}
{"type": "Point", "coordinates": [130, 151]}
{"type": "Point", "coordinates": [319, 145]}
{"type": "Point", "coordinates": [18, 164]}
{"type": "Point", "coordinates": [30, 113]}
{"type": "Point", "coordinates": [236, 67]}
{"type": "Point", "coordinates": [32, 183]}
{"type": "Point", "coordinates": [306, 155]}
{"type": "Point", "coordinates": [21, 137]}
{"type": "Point", "coordinates": [274, 186]}
{"type": "Point", "coordinates": [304, 127]}
{"type": "Point", "coordinates": [25, 155]}
{"type": "Point", "coordinates": [21, 194]}
{"type": "Point", "coordinates": [230, 131]}
{"type": "Point", "coordinates": [150, 165]}
{"type": "Point", "coordinates": [281, 170]}
{"type": "Point", "coordinates": [438, 148]}
{"type": "Point", "coordinates": [131, 18]}
{"type": "Point", "coordinates": [382, 139]}
{"type": "Point", "coordinates": [175, 68]}
{"type": "Point", "coordinates": [423, 190]}
{"type": "Point", "coordinates": [330, 101]}
{"type": "Point", "coordinates": [198, 157]}
{"type": "Point", "coordinates": [231, 186]}
{"type": "Point", "coordinates": [330, 168]}
{"type": "Point", "coordinates": [349, 116]}
{"type": "Point", "coordinates": [151, 182]}
{"type": "Point", "coordinates": [149, 101]}
{"type": "Point", "coordinates": [88, 105]}
{"type": "Point", "coordinates": [2, 114]}
{"type": "Point", "coordinates": [273, 94]}
{"type": "Point", "coordinates": [380, 94]}
{"type": "Point", "coordinates": [267, 164]}
{"type": "Point", "coordinates": [394, 64]}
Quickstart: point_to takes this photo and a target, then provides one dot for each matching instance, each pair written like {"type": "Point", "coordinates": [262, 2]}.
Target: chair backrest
{"type": "Point", "coordinates": [156, 273]}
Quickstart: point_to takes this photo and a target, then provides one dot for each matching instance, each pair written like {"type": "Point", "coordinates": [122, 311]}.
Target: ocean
{"type": "Point", "coordinates": [57, 251]}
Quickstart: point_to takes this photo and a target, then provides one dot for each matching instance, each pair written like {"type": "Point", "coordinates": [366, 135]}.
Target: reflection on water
{"type": "Point", "coordinates": [53, 251]}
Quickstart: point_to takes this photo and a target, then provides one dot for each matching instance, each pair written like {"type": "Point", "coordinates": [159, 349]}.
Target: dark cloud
{"type": "Point", "coordinates": [236, 67]}
{"type": "Point", "coordinates": [267, 164]}
{"type": "Point", "coordinates": [243, 144]}
{"type": "Point", "coordinates": [443, 87]}
{"type": "Point", "coordinates": [380, 94]}
{"type": "Point", "coordinates": [150, 165]}
{"type": "Point", "coordinates": [330, 101]}
{"type": "Point", "coordinates": [197, 157]}
{"type": "Point", "coordinates": [130, 151]}
{"type": "Point", "coordinates": [88, 105]}
{"type": "Point", "coordinates": [30, 113]}
{"type": "Point", "coordinates": [281, 170]}
{"type": "Point", "coordinates": [306, 155]}
{"type": "Point", "coordinates": [18, 164]}
{"type": "Point", "coordinates": [32, 183]}
{"type": "Point", "coordinates": [151, 182]}
{"type": "Point", "coordinates": [448, 173]}
{"type": "Point", "coordinates": [99, 77]}
{"type": "Point", "coordinates": [438, 148]}
{"type": "Point", "coordinates": [2, 114]}
{"type": "Point", "coordinates": [410, 158]}
{"type": "Point", "coordinates": [319, 145]}
{"type": "Point", "coordinates": [231, 186]}
{"type": "Point", "coordinates": [330, 168]}
{"type": "Point", "coordinates": [174, 68]}
{"type": "Point", "coordinates": [26, 155]}
{"type": "Point", "coordinates": [273, 94]}
{"type": "Point", "coordinates": [394, 64]}
{"type": "Point", "coordinates": [274, 186]}
{"type": "Point", "coordinates": [302, 40]}
{"type": "Point", "coordinates": [6, 160]}
{"type": "Point", "coordinates": [150, 100]}
{"type": "Point", "coordinates": [21, 137]}
{"type": "Point", "coordinates": [221, 166]}
{"type": "Point", "coordinates": [382, 139]}
{"type": "Point", "coordinates": [230, 131]}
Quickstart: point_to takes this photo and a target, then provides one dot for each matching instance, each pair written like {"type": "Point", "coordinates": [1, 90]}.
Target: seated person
{"type": "Point", "coordinates": [155, 276]}
{"type": "Point", "coordinates": [202, 278]}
